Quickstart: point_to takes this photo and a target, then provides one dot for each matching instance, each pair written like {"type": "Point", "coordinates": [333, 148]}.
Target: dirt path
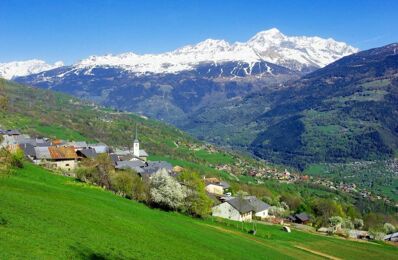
{"type": "Point", "coordinates": [317, 253]}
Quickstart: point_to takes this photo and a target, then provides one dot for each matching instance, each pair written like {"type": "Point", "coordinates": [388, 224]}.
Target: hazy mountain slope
{"type": "Point", "coordinates": [346, 110]}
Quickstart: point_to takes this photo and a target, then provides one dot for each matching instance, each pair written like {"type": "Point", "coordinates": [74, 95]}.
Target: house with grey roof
{"type": "Point", "coordinates": [238, 209]}
{"type": "Point", "coordinates": [136, 165]}
{"type": "Point", "coordinates": [260, 207]}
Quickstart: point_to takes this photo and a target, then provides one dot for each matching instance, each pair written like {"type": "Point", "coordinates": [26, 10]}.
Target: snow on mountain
{"type": "Point", "coordinates": [22, 68]}
{"type": "Point", "coordinates": [299, 53]}
{"type": "Point", "coordinates": [296, 52]}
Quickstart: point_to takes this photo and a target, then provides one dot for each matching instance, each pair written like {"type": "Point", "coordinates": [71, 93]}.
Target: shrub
{"type": "Point", "coordinates": [166, 192]}
{"type": "Point", "coordinates": [389, 228]}
{"type": "Point", "coordinates": [140, 191]}
{"type": "Point", "coordinates": [335, 221]}
{"type": "Point", "coordinates": [197, 202]}
{"type": "Point", "coordinates": [376, 235]}
{"type": "Point", "coordinates": [96, 171]}
{"type": "Point", "coordinates": [122, 183]}
{"type": "Point", "coordinates": [347, 223]}
{"type": "Point", "coordinates": [358, 223]}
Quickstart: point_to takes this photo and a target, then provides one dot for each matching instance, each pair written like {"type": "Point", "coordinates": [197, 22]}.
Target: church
{"type": "Point", "coordinates": [139, 154]}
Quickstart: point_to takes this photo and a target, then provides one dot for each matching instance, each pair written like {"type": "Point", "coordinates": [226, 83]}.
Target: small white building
{"type": "Point", "coordinates": [260, 208]}
{"type": "Point", "coordinates": [214, 189]}
{"type": "Point", "coordinates": [215, 186]}
{"type": "Point", "coordinates": [237, 209]}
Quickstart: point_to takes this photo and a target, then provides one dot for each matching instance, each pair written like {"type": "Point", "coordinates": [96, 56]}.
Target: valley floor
{"type": "Point", "coordinates": [43, 216]}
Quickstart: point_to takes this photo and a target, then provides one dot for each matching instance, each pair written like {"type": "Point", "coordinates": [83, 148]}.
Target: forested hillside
{"type": "Point", "coordinates": [343, 112]}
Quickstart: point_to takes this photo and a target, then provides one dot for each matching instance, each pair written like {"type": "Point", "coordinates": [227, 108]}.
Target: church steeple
{"type": "Point", "coordinates": [136, 144]}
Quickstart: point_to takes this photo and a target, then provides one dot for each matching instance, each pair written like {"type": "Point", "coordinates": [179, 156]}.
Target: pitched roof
{"type": "Point", "coordinates": [257, 204]}
{"type": "Point", "coordinates": [133, 165]}
{"type": "Point", "coordinates": [391, 236]}
{"type": "Point", "coordinates": [78, 144]}
{"type": "Point", "coordinates": [302, 216]}
{"type": "Point", "coordinates": [241, 205]}
{"type": "Point", "coordinates": [42, 153]}
{"type": "Point", "coordinates": [28, 149]}
{"type": "Point", "coordinates": [143, 153]}
{"type": "Point", "coordinates": [88, 153]}
{"type": "Point", "coordinates": [67, 152]}
{"type": "Point", "coordinates": [99, 148]}
{"type": "Point", "coordinates": [12, 132]}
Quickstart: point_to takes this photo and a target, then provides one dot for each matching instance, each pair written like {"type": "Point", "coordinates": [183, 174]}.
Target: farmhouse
{"type": "Point", "coordinates": [64, 158]}
{"type": "Point", "coordinates": [238, 209]}
{"type": "Point", "coordinates": [260, 207]}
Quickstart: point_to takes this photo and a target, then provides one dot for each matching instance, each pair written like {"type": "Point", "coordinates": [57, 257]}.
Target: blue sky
{"type": "Point", "coordinates": [71, 30]}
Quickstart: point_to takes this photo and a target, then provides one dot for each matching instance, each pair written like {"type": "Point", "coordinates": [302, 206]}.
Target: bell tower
{"type": "Point", "coordinates": [136, 144]}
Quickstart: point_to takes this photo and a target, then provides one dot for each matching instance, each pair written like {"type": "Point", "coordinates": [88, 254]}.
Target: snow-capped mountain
{"type": "Point", "coordinates": [172, 85]}
{"type": "Point", "coordinates": [297, 53]}
{"type": "Point", "coordinates": [22, 68]}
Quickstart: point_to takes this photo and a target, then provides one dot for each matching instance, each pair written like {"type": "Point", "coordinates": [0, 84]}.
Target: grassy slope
{"type": "Point", "coordinates": [50, 216]}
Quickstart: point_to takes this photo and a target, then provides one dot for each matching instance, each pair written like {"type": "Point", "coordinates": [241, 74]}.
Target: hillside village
{"type": "Point", "coordinates": [65, 157]}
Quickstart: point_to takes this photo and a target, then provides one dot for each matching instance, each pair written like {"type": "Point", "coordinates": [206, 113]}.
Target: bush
{"type": "Point", "coordinates": [96, 171]}
{"type": "Point", "coordinates": [389, 228]}
{"type": "Point", "coordinates": [122, 183]}
{"type": "Point", "coordinates": [335, 221]}
{"type": "Point", "coordinates": [197, 202]}
{"type": "Point", "coordinates": [166, 192]}
{"type": "Point", "coordinates": [358, 223]}
{"type": "Point", "coordinates": [10, 160]}
{"type": "Point", "coordinates": [377, 235]}
{"type": "Point", "coordinates": [347, 223]}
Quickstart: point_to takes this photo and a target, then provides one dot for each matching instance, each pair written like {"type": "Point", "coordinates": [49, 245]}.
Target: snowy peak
{"type": "Point", "coordinates": [294, 52]}
{"type": "Point", "coordinates": [22, 68]}
{"type": "Point", "coordinates": [268, 36]}
{"type": "Point", "coordinates": [299, 53]}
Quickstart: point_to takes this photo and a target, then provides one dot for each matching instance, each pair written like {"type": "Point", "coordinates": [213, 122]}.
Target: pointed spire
{"type": "Point", "coordinates": [136, 134]}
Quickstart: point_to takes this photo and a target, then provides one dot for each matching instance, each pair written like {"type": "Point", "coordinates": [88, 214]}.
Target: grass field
{"type": "Point", "coordinates": [46, 216]}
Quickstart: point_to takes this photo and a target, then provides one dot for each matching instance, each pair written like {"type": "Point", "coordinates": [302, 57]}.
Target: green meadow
{"type": "Point", "coordinates": [47, 216]}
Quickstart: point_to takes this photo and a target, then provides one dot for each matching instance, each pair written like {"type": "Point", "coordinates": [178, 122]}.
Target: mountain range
{"type": "Point", "coordinates": [344, 111]}
{"type": "Point", "coordinates": [296, 53]}
{"type": "Point", "coordinates": [172, 85]}
{"type": "Point", "coordinates": [292, 100]}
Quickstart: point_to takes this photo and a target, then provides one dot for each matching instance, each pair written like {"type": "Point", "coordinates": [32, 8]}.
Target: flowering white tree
{"type": "Point", "coordinates": [166, 191]}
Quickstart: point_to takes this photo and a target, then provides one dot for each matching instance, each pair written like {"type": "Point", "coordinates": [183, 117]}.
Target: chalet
{"type": "Point", "coordinates": [215, 186]}
{"type": "Point", "coordinates": [63, 158]}
{"type": "Point", "coordinates": [301, 218]}
{"type": "Point", "coordinates": [260, 208]}
{"type": "Point", "coordinates": [238, 209]}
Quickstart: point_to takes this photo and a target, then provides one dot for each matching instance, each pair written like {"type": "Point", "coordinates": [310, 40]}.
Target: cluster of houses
{"type": "Point", "coordinates": [65, 156]}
